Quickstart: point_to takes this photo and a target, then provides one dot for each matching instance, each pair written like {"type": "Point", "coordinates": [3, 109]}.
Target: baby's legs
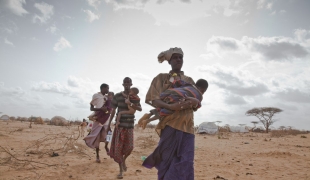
{"type": "Point", "coordinates": [146, 121]}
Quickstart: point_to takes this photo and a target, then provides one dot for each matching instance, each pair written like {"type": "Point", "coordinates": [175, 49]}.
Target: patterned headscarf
{"type": "Point", "coordinates": [166, 55]}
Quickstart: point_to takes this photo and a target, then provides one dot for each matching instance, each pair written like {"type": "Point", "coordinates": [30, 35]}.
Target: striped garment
{"type": "Point", "coordinates": [126, 120]}
{"type": "Point", "coordinates": [177, 92]}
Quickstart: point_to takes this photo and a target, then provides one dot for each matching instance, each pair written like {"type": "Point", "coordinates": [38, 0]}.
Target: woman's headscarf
{"type": "Point", "coordinates": [166, 55]}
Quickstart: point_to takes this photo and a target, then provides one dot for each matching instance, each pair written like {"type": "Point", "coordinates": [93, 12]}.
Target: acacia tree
{"type": "Point", "coordinates": [254, 123]}
{"type": "Point", "coordinates": [265, 115]}
{"type": "Point", "coordinates": [282, 128]}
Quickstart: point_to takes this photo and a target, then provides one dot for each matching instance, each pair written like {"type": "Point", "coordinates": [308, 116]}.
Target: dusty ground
{"type": "Point", "coordinates": [25, 153]}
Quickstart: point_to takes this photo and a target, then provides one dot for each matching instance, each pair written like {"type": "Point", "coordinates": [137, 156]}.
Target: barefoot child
{"type": "Point", "coordinates": [83, 125]}
{"type": "Point", "coordinates": [133, 95]}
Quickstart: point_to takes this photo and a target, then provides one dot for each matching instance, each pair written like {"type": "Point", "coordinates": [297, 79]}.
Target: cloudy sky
{"type": "Point", "coordinates": [254, 53]}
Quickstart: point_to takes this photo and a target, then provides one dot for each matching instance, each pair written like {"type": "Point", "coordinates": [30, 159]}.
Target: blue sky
{"type": "Point", "coordinates": [55, 54]}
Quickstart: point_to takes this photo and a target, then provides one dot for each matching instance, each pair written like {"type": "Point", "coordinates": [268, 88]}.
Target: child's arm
{"type": "Point", "coordinates": [135, 106]}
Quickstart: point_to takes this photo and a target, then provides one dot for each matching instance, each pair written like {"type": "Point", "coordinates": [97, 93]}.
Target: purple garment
{"type": "Point", "coordinates": [174, 155]}
{"type": "Point", "coordinates": [102, 117]}
{"type": "Point", "coordinates": [98, 134]}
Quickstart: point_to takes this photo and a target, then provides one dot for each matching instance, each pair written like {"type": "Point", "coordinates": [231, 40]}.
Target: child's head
{"type": "Point", "coordinates": [110, 95]}
{"type": "Point", "coordinates": [202, 85]}
{"type": "Point", "coordinates": [134, 91]}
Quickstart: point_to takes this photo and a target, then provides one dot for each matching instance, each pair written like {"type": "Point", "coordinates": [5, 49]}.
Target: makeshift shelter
{"type": "Point", "coordinates": [208, 128]}
{"type": "Point", "coordinates": [59, 121]}
{"type": "Point", "coordinates": [5, 117]}
{"type": "Point", "coordinates": [241, 129]}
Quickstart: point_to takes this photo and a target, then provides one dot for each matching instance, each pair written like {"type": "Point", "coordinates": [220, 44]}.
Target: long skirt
{"type": "Point", "coordinates": [98, 134]}
{"type": "Point", "coordinates": [174, 155]}
{"type": "Point", "coordinates": [122, 143]}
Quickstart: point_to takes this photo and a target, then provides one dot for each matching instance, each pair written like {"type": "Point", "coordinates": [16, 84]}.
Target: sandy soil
{"type": "Point", "coordinates": [25, 153]}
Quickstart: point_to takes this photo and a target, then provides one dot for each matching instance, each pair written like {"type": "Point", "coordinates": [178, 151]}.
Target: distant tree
{"type": "Point", "coordinates": [254, 123]}
{"type": "Point", "coordinates": [218, 124]}
{"type": "Point", "coordinates": [12, 118]}
{"type": "Point", "coordinates": [241, 124]}
{"type": "Point", "coordinates": [282, 128]}
{"type": "Point", "coordinates": [265, 115]}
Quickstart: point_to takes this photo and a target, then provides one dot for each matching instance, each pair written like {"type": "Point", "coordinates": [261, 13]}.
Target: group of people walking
{"type": "Point", "coordinates": [174, 96]}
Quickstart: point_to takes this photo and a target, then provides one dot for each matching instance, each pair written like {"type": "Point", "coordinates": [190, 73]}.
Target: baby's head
{"type": "Point", "coordinates": [110, 95]}
{"type": "Point", "coordinates": [202, 85]}
{"type": "Point", "coordinates": [134, 91]}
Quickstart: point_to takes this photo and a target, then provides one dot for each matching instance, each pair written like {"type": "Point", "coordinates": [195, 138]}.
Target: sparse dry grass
{"type": "Point", "coordinates": [282, 133]}
{"type": "Point", "coordinates": [60, 143]}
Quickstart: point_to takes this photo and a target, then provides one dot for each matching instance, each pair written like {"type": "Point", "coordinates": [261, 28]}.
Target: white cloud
{"type": "Point", "coordinates": [15, 6]}
{"type": "Point", "coordinates": [301, 34]}
{"type": "Point", "coordinates": [7, 30]}
{"type": "Point", "coordinates": [235, 100]}
{"type": "Point", "coordinates": [91, 16]}
{"type": "Point", "coordinates": [51, 88]}
{"type": "Point", "coordinates": [47, 11]}
{"type": "Point", "coordinates": [282, 11]}
{"type": "Point", "coordinates": [261, 4]}
{"type": "Point", "coordinates": [293, 95]}
{"type": "Point", "coordinates": [16, 97]}
{"type": "Point", "coordinates": [73, 81]}
{"type": "Point", "coordinates": [85, 87]}
{"type": "Point", "coordinates": [8, 27]}
{"type": "Point", "coordinates": [94, 3]}
{"type": "Point", "coordinates": [235, 81]}
{"type": "Point", "coordinates": [78, 92]}
{"type": "Point", "coordinates": [52, 29]}
{"type": "Point", "coordinates": [6, 41]}
{"type": "Point", "coordinates": [273, 13]}
{"type": "Point", "coordinates": [264, 48]}
{"type": "Point", "coordinates": [62, 44]}
{"type": "Point", "coordinates": [11, 92]}
{"type": "Point", "coordinates": [183, 11]}
{"type": "Point", "coordinates": [78, 82]}
{"type": "Point", "coordinates": [269, 6]}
